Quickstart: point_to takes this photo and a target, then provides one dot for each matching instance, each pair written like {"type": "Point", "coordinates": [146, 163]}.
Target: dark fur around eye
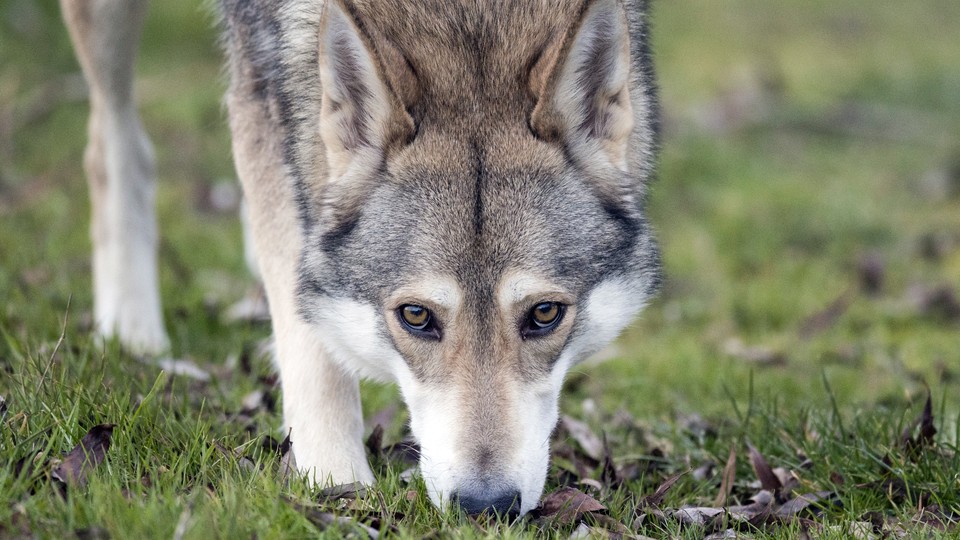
{"type": "Point", "coordinates": [419, 321]}
{"type": "Point", "coordinates": [542, 319]}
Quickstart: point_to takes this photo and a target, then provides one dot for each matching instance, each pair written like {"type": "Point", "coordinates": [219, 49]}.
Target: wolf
{"type": "Point", "coordinates": [445, 194]}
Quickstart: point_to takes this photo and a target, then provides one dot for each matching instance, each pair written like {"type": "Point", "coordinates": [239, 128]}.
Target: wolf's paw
{"type": "Point", "coordinates": [138, 335]}
{"type": "Point", "coordinates": [331, 470]}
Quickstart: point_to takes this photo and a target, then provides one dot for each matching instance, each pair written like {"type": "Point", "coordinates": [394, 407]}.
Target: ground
{"type": "Point", "coordinates": [808, 206]}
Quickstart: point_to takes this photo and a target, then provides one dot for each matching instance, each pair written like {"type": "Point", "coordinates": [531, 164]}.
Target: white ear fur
{"type": "Point", "coordinates": [356, 110]}
{"type": "Point", "coordinates": [586, 101]}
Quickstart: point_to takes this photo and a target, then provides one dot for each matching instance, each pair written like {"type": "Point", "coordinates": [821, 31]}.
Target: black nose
{"type": "Point", "coordinates": [506, 502]}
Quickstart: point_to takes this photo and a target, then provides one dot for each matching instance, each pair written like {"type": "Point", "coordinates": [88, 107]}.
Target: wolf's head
{"type": "Point", "coordinates": [478, 221]}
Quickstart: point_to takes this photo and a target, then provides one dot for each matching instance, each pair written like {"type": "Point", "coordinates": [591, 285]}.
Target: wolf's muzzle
{"type": "Point", "coordinates": [504, 502]}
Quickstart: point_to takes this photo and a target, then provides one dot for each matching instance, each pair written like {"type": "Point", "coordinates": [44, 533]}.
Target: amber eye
{"type": "Point", "coordinates": [543, 318]}
{"type": "Point", "coordinates": [418, 321]}
{"type": "Point", "coordinates": [545, 314]}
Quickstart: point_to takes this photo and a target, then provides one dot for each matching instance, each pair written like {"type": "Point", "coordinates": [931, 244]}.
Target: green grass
{"type": "Point", "coordinates": [837, 118]}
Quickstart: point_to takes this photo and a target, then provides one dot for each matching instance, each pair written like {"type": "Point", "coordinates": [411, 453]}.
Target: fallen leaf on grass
{"type": "Point", "coordinates": [696, 515]}
{"type": "Point", "coordinates": [826, 318]}
{"type": "Point", "coordinates": [252, 308]}
{"type": "Point", "coordinates": [236, 456]}
{"type": "Point", "coordinates": [374, 442]}
{"type": "Point", "coordinates": [257, 400]}
{"type": "Point", "coordinates": [798, 504]}
{"type": "Point", "coordinates": [768, 480]}
{"type": "Point", "coordinates": [354, 490]}
{"type": "Point", "coordinates": [585, 437]}
{"type": "Point", "coordinates": [935, 246]}
{"type": "Point", "coordinates": [288, 462]}
{"type": "Point", "coordinates": [912, 445]}
{"type": "Point", "coordinates": [871, 273]}
{"type": "Point", "coordinates": [73, 468]}
{"type": "Point", "coordinates": [566, 505]}
{"type": "Point", "coordinates": [324, 520]}
{"type": "Point", "coordinates": [185, 368]}
{"type": "Point", "coordinates": [657, 497]}
{"type": "Point", "coordinates": [938, 303]}
{"type": "Point", "coordinates": [756, 354]}
{"type": "Point", "coordinates": [935, 517]}
{"type": "Point", "coordinates": [726, 482]}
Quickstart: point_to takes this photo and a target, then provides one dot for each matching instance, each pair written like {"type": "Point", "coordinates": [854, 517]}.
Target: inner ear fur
{"type": "Point", "coordinates": [367, 88]}
{"type": "Point", "coordinates": [582, 86]}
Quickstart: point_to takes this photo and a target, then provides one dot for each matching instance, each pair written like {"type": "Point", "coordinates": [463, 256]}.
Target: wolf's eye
{"type": "Point", "coordinates": [418, 321]}
{"type": "Point", "coordinates": [543, 318]}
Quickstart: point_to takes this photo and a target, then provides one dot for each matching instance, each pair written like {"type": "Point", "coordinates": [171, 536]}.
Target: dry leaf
{"type": "Point", "coordinates": [374, 442]}
{"type": "Point", "coordinates": [729, 475]}
{"type": "Point", "coordinates": [567, 505]}
{"type": "Point", "coordinates": [324, 520]}
{"type": "Point", "coordinates": [288, 461]}
{"type": "Point", "coordinates": [696, 515]}
{"type": "Point", "coordinates": [798, 504]}
{"type": "Point", "coordinates": [73, 469]}
{"type": "Point", "coordinates": [927, 430]}
{"type": "Point", "coordinates": [354, 490]}
{"type": "Point", "coordinates": [757, 354]}
{"type": "Point", "coordinates": [661, 492]}
{"type": "Point", "coordinates": [185, 368]}
{"type": "Point", "coordinates": [585, 437]}
{"type": "Point", "coordinates": [826, 318]}
{"type": "Point", "coordinates": [871, 272]}
{"type": "Point", "coordinates": [768, 480]}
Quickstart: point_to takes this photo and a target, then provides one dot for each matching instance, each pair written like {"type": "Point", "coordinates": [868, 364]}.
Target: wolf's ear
{"type": "Point", "coordinates": [582, 84]}
{"type": "Point", "coordinates": [360, 115]}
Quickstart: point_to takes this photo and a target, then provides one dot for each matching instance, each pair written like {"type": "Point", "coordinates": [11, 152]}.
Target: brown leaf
{"type": "Point", "coordinates": [800, 503]}
{"type": "Point", "coordinates": [729, 475]}
{"type": "Point", "coordinates": [585, 437]}
{"type": "Point", "coordinates": [86, 456]}
{"type": "Point", "coordinates": [768, 480]}
{"type": "Point", "coordinates": [236, 456]}
{"type": "Point", "coordinates": [871, 273]}
{"type": "Point", "coordinates": [324, 520]}
{"type": "Point", "coordinates": [567, 505]}
{"type": "Point", "coordinates": [696, 515]}
{"type": "Point", "coordinates": [826, 318]}
{"type": "Point", "coordinates": [927, 430]}
{"type": "Point", "coordinates": [661, 492]}
{"type": "Point", "coordinates": [934, 517]}
{"type": "Point", "coordinates": [756, 354]}
{"type": "Point", "coordinates": [252, 402]}
{"type": "Point", "coordinates": [938, 303]}
{"type": "Point", "coordinates": [375, 441]}
{"type": "Point", "coordinates": [288, 461]}
{"type": "Point", "coordinates": [355, 490]}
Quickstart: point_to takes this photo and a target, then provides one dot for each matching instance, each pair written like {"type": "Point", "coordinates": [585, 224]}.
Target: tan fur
{"type": "Point", "coordinates": [502, 120]}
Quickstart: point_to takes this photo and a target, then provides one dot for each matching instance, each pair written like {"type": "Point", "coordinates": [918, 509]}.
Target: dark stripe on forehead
{"type": "Point", "coordinates": [480, 179]}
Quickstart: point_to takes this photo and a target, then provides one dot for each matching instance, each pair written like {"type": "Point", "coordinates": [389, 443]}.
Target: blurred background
{"type": "Point", "coordinates": [808, 202]}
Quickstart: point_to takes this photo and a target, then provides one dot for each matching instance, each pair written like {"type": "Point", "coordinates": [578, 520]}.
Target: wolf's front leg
{"type": "Point", "coordinates": [321, 405]}
{"type": "Point", "coordinates": [321, 400]}
{"type": "Point", "coordinates": [120, 171]}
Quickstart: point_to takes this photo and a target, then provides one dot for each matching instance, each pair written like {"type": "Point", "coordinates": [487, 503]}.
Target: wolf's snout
{"type": "Point", "coordinates": [503, 502]}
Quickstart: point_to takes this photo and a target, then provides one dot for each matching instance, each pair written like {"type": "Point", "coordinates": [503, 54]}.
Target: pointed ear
{"type": "Point", "coordinates": [583, 86]}
{"type": "Point", "coordinates": [360, 116]}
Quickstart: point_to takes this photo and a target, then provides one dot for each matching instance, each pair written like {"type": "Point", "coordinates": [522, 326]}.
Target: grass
{"type": "Point", "coordinates": [802, 138]}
